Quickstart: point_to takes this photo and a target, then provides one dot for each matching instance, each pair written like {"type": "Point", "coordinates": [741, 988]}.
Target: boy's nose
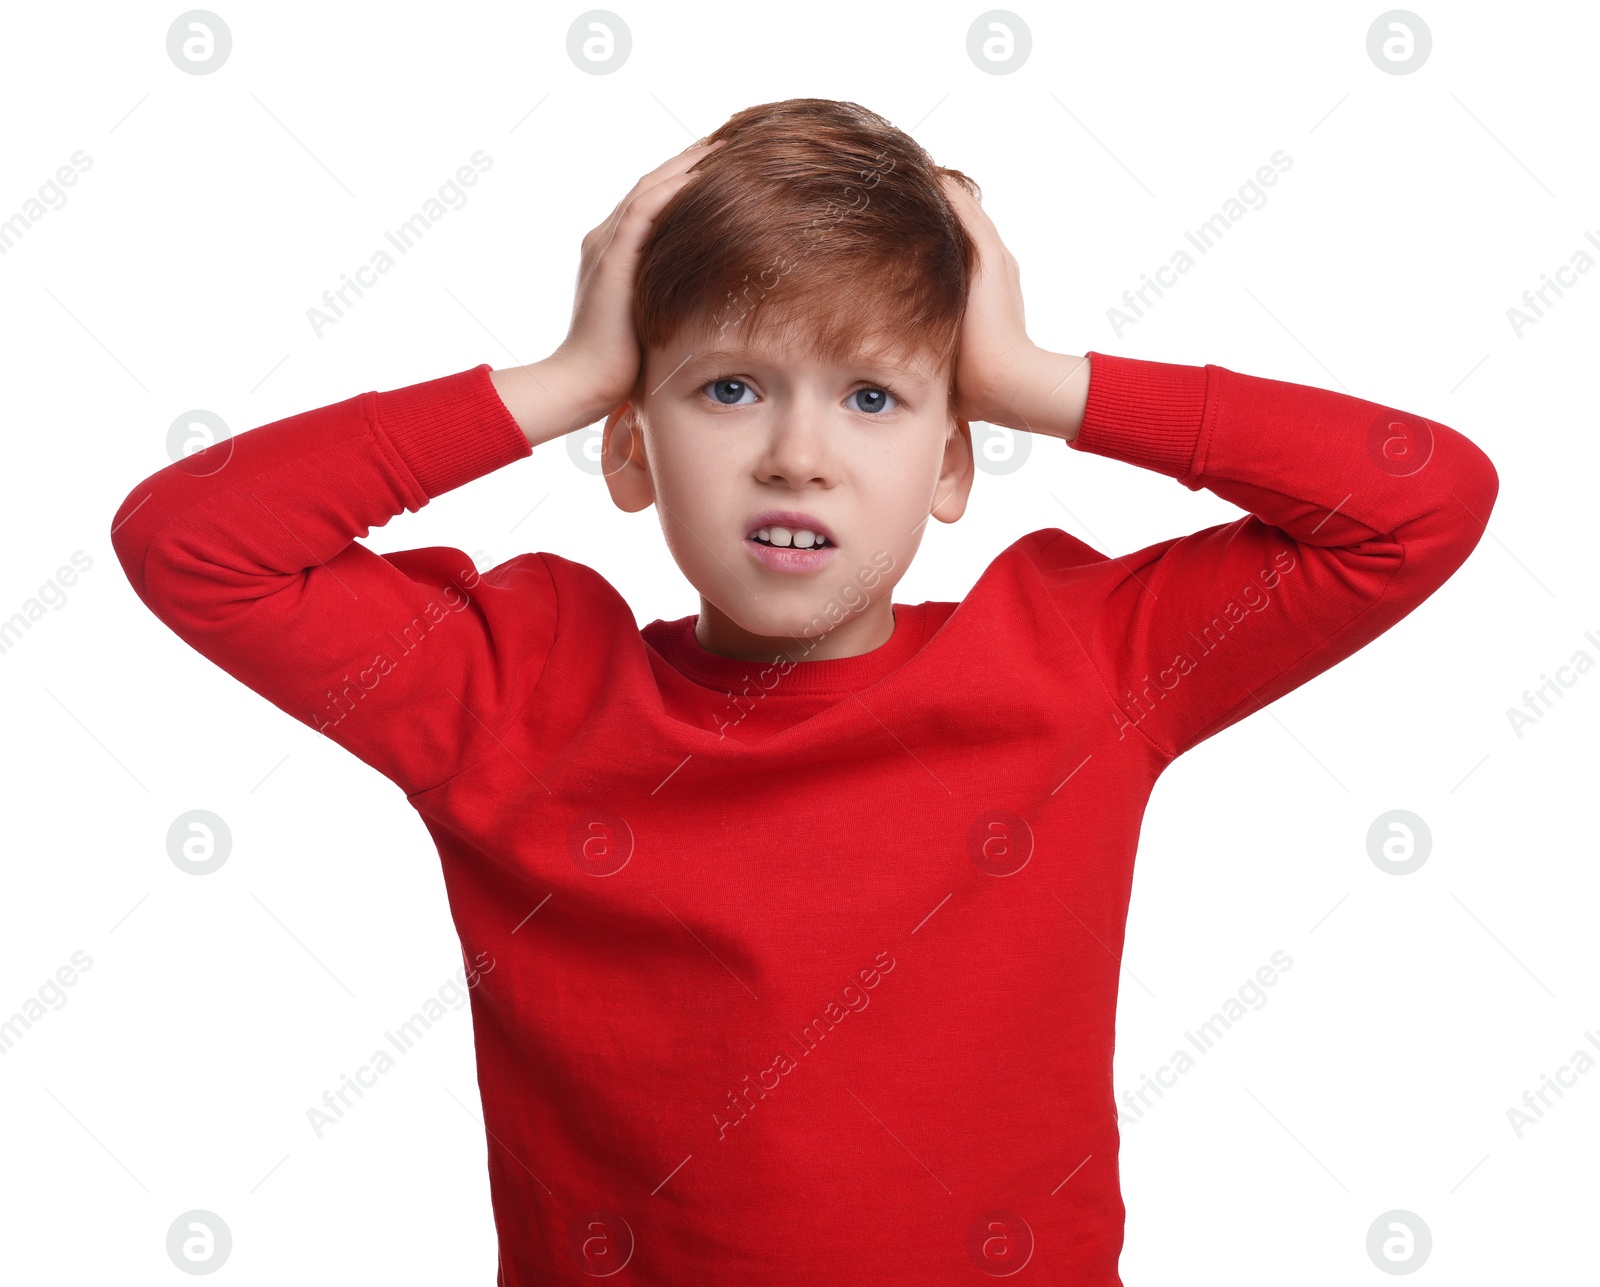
{"type": "Point", "coordinates": [796, 445]}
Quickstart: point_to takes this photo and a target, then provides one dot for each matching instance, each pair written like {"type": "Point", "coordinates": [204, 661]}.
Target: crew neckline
{"type": "Point", "coordinates": [677, 643]}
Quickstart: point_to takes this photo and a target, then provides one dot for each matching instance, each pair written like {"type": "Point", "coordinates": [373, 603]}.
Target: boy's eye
{"type": "Point", "coordinates": [874, 400]}
{"type": "Point", "coordinates": [728, 392]}
{"type": "Point", "coordinates": [731, 393]}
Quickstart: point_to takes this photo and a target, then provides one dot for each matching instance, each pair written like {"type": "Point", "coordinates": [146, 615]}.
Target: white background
{"type": "Point", "coordinates": [217, 210]}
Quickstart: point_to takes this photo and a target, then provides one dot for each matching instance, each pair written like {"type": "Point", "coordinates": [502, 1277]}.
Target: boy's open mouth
{"type": "Point", "coordinates": [787, 540]}
{"type": "Point", "coordinates": [786, 529]}
{"type": "Point", "coordinates": [782, 538]}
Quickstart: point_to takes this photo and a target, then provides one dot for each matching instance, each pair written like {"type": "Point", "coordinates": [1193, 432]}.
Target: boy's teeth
{"type": "Point", "coordinates": [784, 537]}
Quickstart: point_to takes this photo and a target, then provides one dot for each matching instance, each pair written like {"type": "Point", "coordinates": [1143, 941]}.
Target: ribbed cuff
{"type": "Point", "coordinates": [450, 430]}
{"type": "Point", "coordinates": [1145, 413]}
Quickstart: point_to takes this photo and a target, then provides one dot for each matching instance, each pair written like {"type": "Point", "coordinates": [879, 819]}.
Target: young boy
{"type": "Point", "coordinates": [806, 910]}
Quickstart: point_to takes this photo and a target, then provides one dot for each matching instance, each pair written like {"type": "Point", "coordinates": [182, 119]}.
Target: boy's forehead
{"type": "Point", "coordinates": [779, 351]}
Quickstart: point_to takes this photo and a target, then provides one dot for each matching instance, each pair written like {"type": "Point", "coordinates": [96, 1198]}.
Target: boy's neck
{"type": "Point", "coordinates": [860, 632]}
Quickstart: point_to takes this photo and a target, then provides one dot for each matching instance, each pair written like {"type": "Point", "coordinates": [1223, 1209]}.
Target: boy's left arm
{"type": "Point", "coordinates": [1356, 514]}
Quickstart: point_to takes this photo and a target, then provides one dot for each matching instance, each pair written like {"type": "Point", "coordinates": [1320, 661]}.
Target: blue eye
{"type": "Point", "coordinates": [875, 399]}
{"type": "Point", "coordinates": [728, 392]}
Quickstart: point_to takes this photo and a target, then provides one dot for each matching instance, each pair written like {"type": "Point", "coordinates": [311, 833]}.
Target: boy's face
{"type": "Point", "coordinates": [728, 430]}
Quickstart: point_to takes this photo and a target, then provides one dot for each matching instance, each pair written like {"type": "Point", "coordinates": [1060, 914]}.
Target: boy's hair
{"type": "Point", "coordinates": [817, 223]}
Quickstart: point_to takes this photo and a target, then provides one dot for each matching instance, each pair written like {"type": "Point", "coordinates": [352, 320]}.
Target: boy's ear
{"type": "Point", "coordinates": [955, 474]}
{"type": "Point", "coordinates": [623, 462]}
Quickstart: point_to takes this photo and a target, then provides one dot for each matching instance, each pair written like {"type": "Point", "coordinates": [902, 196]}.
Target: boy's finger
{"type": "Point", "coordinates": [635, 213]}
{"type": "Point", "coordinates": [679, 163]}
{"type": "Point", "coordinates": [646, 202]}
{"type": "Point", "coordinates": [972, 213]}
{"type": "Point", "coordinates": [657, 194]}
{"type": "Point", "coordinates": [672, 168]}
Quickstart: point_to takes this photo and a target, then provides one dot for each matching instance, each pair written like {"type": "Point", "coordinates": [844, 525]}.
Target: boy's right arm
{"type": "Point", "coordinates": [248, 551]}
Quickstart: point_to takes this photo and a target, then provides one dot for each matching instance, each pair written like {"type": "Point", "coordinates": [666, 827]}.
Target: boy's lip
{"type": "Point", "coordinates": [793, 519]}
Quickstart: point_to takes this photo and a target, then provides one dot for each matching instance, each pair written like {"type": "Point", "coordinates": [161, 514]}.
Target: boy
{"type": "Point", "coordinates": [806, 910]}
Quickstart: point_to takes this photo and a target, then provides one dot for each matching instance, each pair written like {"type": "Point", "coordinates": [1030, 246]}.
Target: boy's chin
{"type": "Point", "coordinates": [804, 615]}
{"type": "Point", "coordinates": [776, 615]}
{"type": "Point", "coordinates": [781, 627]}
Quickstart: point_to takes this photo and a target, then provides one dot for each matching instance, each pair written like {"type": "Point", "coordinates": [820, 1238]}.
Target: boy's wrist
{"type": "Point", "coordinates": [547, 399]}
{"type": "Point", "coordinates": [1050, 392]}
{"type": "Point", "coordinates": [1044, 393]}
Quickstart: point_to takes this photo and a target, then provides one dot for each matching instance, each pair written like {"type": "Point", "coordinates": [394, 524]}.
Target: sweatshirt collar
{"type": "Point", "coordinates": [676, 642]}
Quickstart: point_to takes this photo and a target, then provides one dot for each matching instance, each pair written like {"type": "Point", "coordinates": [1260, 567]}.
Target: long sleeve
{"type": "Point", "coordinates": [248, 551]}
{"type": "Point", "coordinates": [1356, 514]}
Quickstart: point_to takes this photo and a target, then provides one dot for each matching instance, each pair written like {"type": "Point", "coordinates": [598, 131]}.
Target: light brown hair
{"type": "Point", "coordinates": [817, 223]}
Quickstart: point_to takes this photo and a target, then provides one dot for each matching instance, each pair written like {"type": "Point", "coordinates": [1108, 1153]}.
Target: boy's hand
{"type": "Point", "coordinates": [594, 369]}
{"type": "Point", "coordinates": [1001, 376]}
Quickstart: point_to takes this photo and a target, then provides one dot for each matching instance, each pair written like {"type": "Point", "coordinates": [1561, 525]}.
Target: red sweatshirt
{"type": "Point", "coordinates": [803, 973]}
